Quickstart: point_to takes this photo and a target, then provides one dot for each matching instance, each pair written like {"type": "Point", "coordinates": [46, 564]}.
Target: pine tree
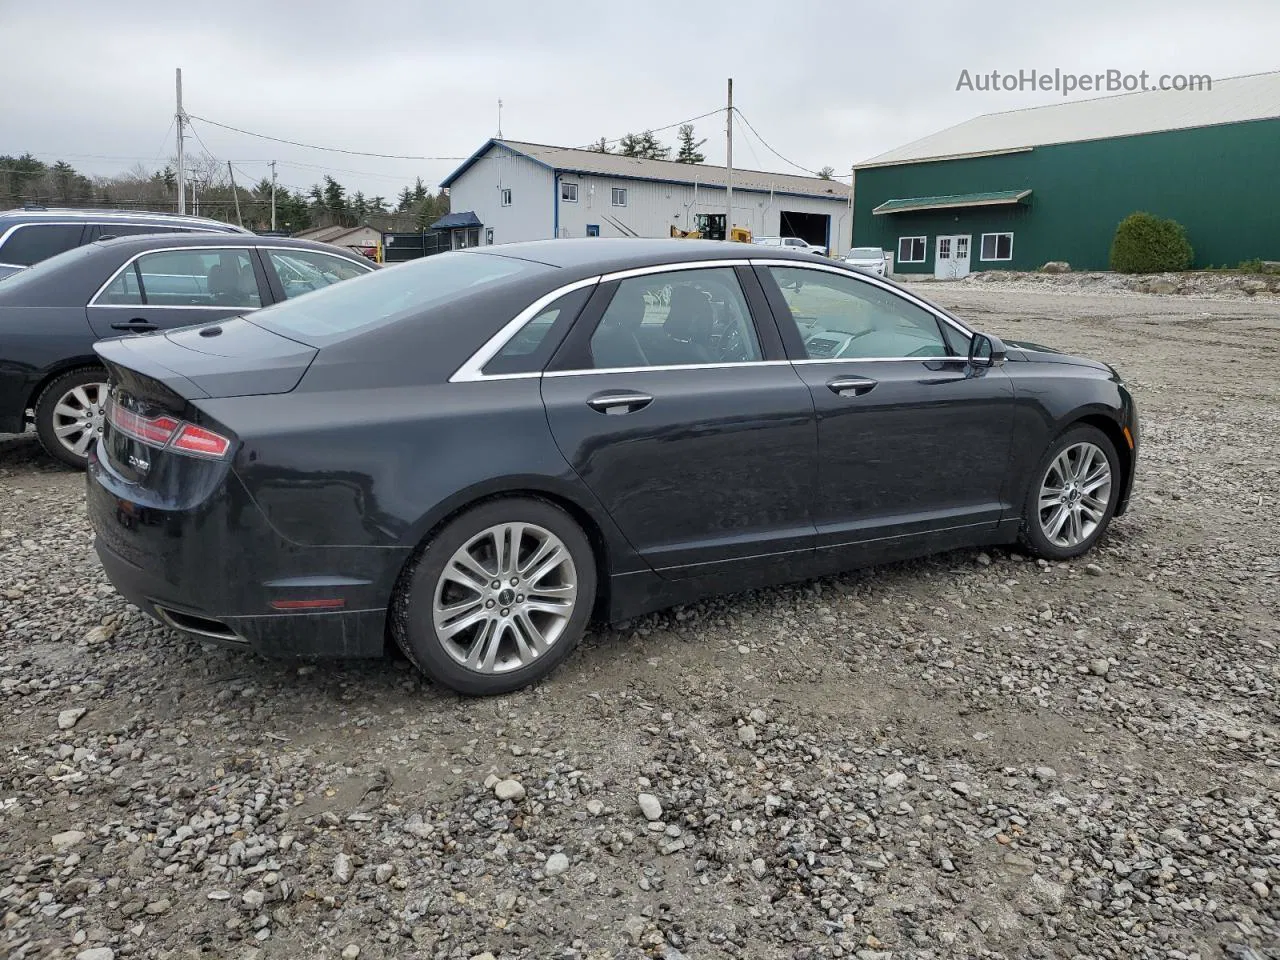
{"type": "Point", "coordinates": [643, 145]}
{"type": "Point", "coordinates": [689, 151]}
{"type": "Point", "coordinates": [826, 173]}
{"type": "Point", "coordinates": [600, 146]}
{"type": "Point", "coordinates": [404, 202]}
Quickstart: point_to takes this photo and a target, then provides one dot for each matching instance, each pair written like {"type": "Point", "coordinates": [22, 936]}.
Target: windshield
{"type": "Point", "coordinates": [866, 253]}
{"type": "Point", "coordinates": [379, 297]}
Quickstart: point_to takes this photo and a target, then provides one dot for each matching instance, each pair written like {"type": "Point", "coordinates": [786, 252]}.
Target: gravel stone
{"type": "Point", "coordinates": [64, 841]}
{"type": "Point", "coordinates": [556, 864]}
{"type": "Point", "coordinates": [649, 806]}
{"type": "Point", "coordinates": [350, 951]}
{"type": "Point", "coordinates": [1099, 667]}
{"type": "Point", "coordinates": [747, 734]}
{"type": "Point", "coordinates": [895, 780]}
{"type": "Point", "coordinates": [70, 717]}
{"type": "Point", "coordinates": [343, 868]}
{"type": "Point", "coordinates": [509, 790]}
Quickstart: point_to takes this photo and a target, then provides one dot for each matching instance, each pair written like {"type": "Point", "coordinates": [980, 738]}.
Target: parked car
{"type": "Point", "coordinates": [52, 314]}
{"type": "Point", "coordinates": [866, 258]}
{"type": "Point", "coordinates": [477, 451]}
{"type": "Point", "coordinates": [30, 235]}
{"type": "Point", "coordinates": [791, 243]}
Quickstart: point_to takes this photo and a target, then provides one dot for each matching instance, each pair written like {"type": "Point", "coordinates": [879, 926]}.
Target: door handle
{"type": "Point", "coordinates": [136, 325]}
{"type": "Point", "coordinates": [618, 403]}
{"type": "Point", "coordinates": [851, 386]}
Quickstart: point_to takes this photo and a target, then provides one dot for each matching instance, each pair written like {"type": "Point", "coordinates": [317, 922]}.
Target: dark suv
{"type": "Point", "coordinates": [30, 235]}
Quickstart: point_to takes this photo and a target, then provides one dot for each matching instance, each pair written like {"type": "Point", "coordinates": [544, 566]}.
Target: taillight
{"type": "Point", "coordinates": [166, 432]}
{"type": "Point", "coordinates": [201, 442]}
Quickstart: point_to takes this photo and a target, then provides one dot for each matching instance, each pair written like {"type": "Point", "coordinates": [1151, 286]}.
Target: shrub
{"type": "Point", "coordinates": [1145, 243]}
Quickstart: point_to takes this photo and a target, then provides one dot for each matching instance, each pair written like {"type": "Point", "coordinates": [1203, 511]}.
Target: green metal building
{"type": "Point", "coordinates": [1017, 189]}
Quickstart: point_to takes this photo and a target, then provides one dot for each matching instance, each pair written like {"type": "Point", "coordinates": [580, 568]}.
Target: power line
{"type": "Point", "coordinates": [766, 145]}
{"type": "Point", "coordinates": [394, 156]}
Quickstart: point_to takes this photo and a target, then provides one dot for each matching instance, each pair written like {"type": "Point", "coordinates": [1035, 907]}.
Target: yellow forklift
{"type": "Point", "coordinates": [710, 226]}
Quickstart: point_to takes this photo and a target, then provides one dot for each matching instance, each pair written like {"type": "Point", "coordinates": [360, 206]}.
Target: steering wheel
{"type": "Point", "coordinates": [731, 348]}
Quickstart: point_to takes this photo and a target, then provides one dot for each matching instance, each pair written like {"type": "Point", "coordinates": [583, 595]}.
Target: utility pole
{"type": "Point", "coordinates": [728, 189]}
{"type": "Point", "coordinates": [235, 193]}
{"type": "Point", "coordinates": [853, 172]}
{"type": "Point", "coordinates": [499, 119]}
{"type": "Point", "coordinates": [179, 119]}
{"type": "Point", "coordinates": [273, 196]}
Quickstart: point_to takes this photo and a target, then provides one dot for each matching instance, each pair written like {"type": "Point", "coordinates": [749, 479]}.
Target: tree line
{"type": "Point", "coordinates": [687, 150]}
{"type": "Point", "coordinates": [25, 180]}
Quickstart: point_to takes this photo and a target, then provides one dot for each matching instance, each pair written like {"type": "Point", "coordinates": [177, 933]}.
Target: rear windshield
{"type": "Point", "coordinates": [33, 276]}
{"type": "Point", "coordinates": [337, 311]}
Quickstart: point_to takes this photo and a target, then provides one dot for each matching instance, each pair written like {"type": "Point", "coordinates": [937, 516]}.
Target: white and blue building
{"type": "Point", "coordinates": [509, 191]}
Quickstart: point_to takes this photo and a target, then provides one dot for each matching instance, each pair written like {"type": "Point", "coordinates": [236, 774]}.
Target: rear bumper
{"type": "Point", "coordinates": [345, 633]}
{"type": "Point", "coordinates": [213, 569]}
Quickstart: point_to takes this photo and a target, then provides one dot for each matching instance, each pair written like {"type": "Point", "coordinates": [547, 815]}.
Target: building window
{"type": "Point", "coordinates": [619, 196]}
{"type": "Point", "coordinates": [911, 249]}
{"type": "Point", "coordinates": [593, 229]}
{"type": "Point", "coordinates": [569, 192]}
{"type": "Point", "coordinates": [506, 196]}
{"type": "Point", "coordinates": [997, 246]}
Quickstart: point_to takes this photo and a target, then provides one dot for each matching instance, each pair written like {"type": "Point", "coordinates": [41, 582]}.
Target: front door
{"type": "Point", "coordinates": [912, 439]}
{"type": "Point", "coordinates": [698, 443]}
{"type": "Point", "coordinates": [173, 288]}
{"type": "Point", "coordinates": [951, 257]}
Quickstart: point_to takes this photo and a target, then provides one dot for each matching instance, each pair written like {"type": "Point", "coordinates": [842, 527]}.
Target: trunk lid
{"type": "Point", "coordinates": [157, 383]}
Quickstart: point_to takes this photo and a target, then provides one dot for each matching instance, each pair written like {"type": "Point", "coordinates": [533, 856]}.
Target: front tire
{"type": "Point", "coordinates": [1073, 494]}
{"type": "Point", "coordinates": [70, 413]}
{"type": "Point", "coordinates": [498, 598]}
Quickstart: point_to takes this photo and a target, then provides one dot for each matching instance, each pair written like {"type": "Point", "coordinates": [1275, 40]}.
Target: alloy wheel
{"type": "Point", "coordinates": [78, 417]}
{"type": "Point", "coordinates": [505, 597]}
{"type": "Point", "coordinates": [1074, 494]}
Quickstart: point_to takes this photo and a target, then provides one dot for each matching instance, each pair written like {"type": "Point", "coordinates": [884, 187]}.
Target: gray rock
{"type": "Point", "coordinates": [1099, 667]}
{"type": "Point", "coordinates": [759, 868]}
{"type": "Point", "coordinates": [1056, 266]}
{"type": "Point", "coordinates": [634, 927]}
{"type": "Point", "coordinates": [509, 790]}
{"type": "Point", "coordinates": [1046, 773]}
{"type": "Point", "coordinates": [895, 780]}
{"type": "Point", "coordinates": [64, 841]}
{"type": "Point", "coordinates": [758, 717]}
{"type": "Point", "coordinates": [747, 734]}
{"type": "Point", "coordinates": [1260, 888]}
{"type": "Point", "coordinates": [157, 907]}
{"type": "Point", "coordinates": [343, 868]}
{"type": "Point", "coordinates": [70, 717]}
{"type": "Point", "coordinates": [96, 953]}
{"type": "Point", "coordinates": [649, 806]}
{"type": "Point", "coordinates": [350, 951]}
{"type": "Point", "coordinates": [595, 807]}
{"type": "Point", "coordinates": [254, 899]}
{"type": "Point", "coordinates": [383, 872]}
{"type": "Point", "coordinates": [556, 864]}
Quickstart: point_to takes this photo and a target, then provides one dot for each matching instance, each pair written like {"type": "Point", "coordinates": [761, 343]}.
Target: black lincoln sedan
{"type": "Point", "coordinates": [51, 314]}
{"type": "Point", "coordinates": [476, 453]}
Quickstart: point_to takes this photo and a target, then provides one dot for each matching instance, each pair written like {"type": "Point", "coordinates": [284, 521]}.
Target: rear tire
{"type": "Point", "coordinates": [491, 634]}
{"type": "Point", "coordinates": [1073, 494]}
{"type": "Point", "coordinates": [69, 414]}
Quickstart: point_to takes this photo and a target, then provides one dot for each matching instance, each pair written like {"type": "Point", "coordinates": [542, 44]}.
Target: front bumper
{"type": "Point", "coordinates": [212, 567]}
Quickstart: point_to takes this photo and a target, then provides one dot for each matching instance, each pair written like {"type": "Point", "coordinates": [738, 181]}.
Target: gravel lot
{"type": "Point", "coordinates": [972, 756]}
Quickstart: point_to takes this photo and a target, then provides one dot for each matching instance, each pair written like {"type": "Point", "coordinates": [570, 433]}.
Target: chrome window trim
{"type": "Point", "coordinates": [472, 368]}
{"type": "Point", "coordinates": [195, 306]}
{"type": "Point", "coordinates": [666, 368]}
{"type": "Point", "coordinates": [875, 281]}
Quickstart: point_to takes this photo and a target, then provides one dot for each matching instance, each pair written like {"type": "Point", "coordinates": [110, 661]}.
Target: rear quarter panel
{"type": "Point", "coordinates": [383, 467]}
{"type": "Point", "coordinates": [36, 343]}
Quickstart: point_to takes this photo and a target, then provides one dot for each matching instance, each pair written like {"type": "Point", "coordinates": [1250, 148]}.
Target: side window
{"type": "Point", "coordinates": [843, 317]}
{"type": "Point", "coordinates": [199, 278]}
{"type": "Point", "coordinates": [301, 271]}
{"type": "Point", "coordinates": [124, 290]}
{"type": "Point", "coordinates": [681, 318]}
{"type": "Point", "coordinates": [530, 349]}
{"type": "Point", "coordinates": [30, 243]}
{"type": "Point", "coordinates": [108, 230]}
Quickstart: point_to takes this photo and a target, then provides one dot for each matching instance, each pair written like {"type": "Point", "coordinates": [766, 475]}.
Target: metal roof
{"type": "Point", "coordinates": [573, 160]}
{"type": "Point", "coordinates": [1231, 100]}
{"type": "Point", "coordinates": [329, 234]}
{"type": "Point", "coordinates": [990, 199]}
{"type": "Point", "coordinates": [450, 221]}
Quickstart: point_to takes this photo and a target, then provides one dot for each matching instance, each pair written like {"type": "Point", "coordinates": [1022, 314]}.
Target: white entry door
{"type": "Point", "coordinates": [951, 257]}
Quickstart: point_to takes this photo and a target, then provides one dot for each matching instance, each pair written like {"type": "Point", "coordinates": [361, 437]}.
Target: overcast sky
{"type": "Point", "coordinates": [823, 83]}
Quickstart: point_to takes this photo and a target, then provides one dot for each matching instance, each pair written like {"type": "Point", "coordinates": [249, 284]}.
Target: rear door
{"type": "Point", "coordinates": [681, 415]}
{"type": "Point", "coordinates": [912, 439]}
{"type": "Point", "coordinates": [176, 287]}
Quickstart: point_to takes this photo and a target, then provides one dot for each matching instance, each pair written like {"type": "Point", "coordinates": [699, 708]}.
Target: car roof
{"type": "Point", "coordinates": [611, 254]}
{"type": "Point", "coordinates": [141, 242]}
{"type": "Point", "coordinates": [132, 217]}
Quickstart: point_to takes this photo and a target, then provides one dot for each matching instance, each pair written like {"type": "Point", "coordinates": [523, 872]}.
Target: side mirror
{"type": "Point", "coordinates": [986, 350]}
